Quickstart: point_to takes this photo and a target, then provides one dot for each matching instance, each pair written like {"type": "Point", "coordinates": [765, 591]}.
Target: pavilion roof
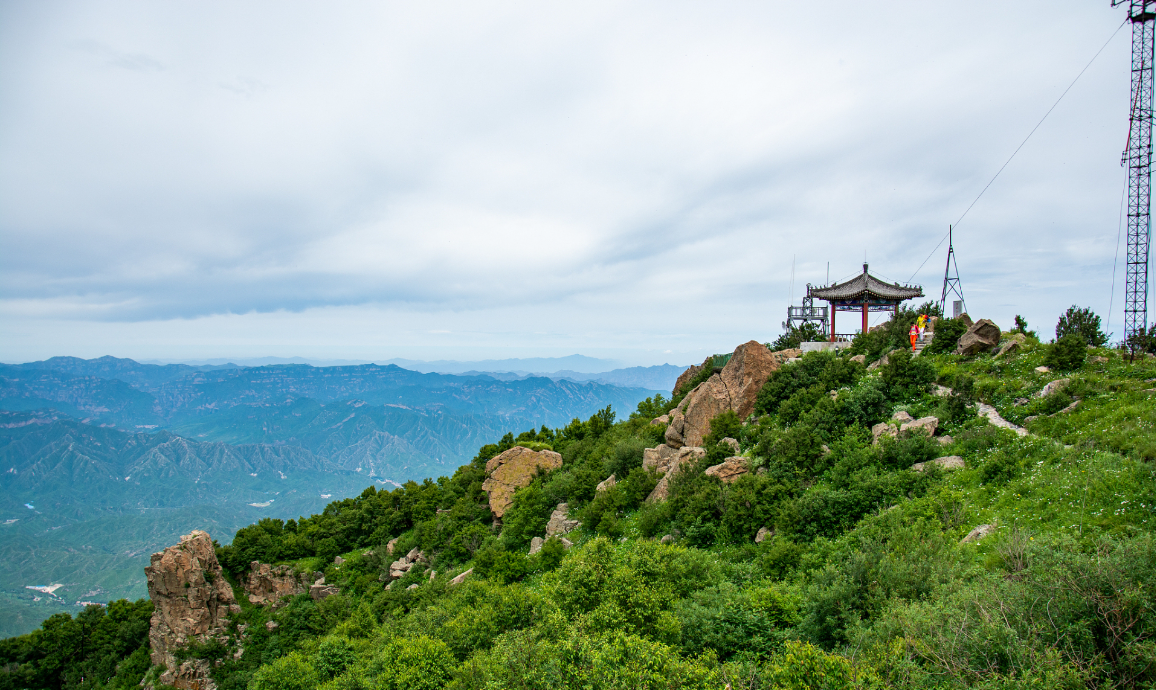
{"type": "Point", "coordinates": [867, 284]}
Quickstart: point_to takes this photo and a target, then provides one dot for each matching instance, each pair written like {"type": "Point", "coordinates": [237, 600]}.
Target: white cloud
{"type": "Point", "coordinates": [629, 176]}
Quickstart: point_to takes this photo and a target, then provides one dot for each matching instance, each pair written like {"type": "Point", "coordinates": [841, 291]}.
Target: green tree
{"type": "Point", "coordinates": [1067, 353]}
{"type": "Point", "coordinates": [792, 337]}
{"type": "Point", "coordinates": [1083, 323]}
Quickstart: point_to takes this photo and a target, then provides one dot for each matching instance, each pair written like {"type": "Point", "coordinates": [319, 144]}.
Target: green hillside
{"type": "Point", "coordinates": [866, 578]}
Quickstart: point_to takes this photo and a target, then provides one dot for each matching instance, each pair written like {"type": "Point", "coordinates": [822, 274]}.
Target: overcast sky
{"type": "Point", "coordinates": [629, 180]}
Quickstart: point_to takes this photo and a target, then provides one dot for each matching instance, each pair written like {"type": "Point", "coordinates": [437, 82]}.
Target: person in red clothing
{"type": "Point", "coordinates": [914, 334]}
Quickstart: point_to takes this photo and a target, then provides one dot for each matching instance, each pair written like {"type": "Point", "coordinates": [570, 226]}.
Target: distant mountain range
{"type": "Point", "coordinates": [91, 451]}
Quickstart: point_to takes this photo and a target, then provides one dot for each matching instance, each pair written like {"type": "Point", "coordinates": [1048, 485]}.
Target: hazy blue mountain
{"type": "Point", "coordinates": [580, 363]}
{"type": "Point", "coordinates": [104, 461]}
{"type": "Point", "coordinates": [660, 377]}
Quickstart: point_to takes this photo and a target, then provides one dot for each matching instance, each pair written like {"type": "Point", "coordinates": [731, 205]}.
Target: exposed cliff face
{"type": "Point", "coordinates": [268, 584]}
{"type": "Point", "coordinates": [191, 602]}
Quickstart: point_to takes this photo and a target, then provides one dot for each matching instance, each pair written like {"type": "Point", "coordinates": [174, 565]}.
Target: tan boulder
{"type": "Point", "coordinates": [191, 602]}
{"type": "Point", "coordinates": [978, 533]}
{"type": "Point", "coordinates": [947, 462]}
{"type": "Point", "coordinates": [708, 400]}
{"type": "Point", "coordinates": [673, 433]}
{"type": "Point", "coordinates": [1052, 387]}
{"type": "Point", "coordinates": [536, 545]}
{"type": "Point", "coordinates": [733, 444]}
{"type": "Point", "coordinates": [684, 456]}
{"type": "Point", "coordinates": [659, 421]}
{"type": "Point", "coordinates": [560, 522]}
{"type": "Point", "coordinates": [744, 375]}
{"type": "Point", "coordinates": [861, 359]}
{"type": "Point", "coordinates": [762, 535]}
{"type": "Point", "coordinates": [606, 484]}
{"type": "Point", "coordinates": [902, 416]}
{"type": "Point", "coordinates": [981, 336]}
{"type": "Point", "coordinates": [462, 578]}
{"type": "Point", "coordinates": [729, 470]}
{"type": "Point", "coordinates": [924, 425]}
{"type": "Point", "coordinates": [883, 429]}
{"type": "Point", "coordinates": [512, 470]}
{"type": "Point", "coordinates": [320, 590]}
{"type": "Point", "coordinates": [1014, 344]}
{"type": "Point", "coordinates": [269, 584]}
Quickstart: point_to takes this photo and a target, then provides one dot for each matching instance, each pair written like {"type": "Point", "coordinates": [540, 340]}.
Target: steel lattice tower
{"type": "Point", "coordinates": [1138, 158]}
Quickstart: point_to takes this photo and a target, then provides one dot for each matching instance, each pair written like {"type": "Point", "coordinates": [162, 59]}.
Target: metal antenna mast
{"type": "Point", "coordinates": [1138, 158]}
{"type": "Point", "coordinates": [951, 284]}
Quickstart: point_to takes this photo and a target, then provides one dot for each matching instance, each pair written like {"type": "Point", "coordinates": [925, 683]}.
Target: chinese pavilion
{"type": "Point", "coordinates": [864, 293]}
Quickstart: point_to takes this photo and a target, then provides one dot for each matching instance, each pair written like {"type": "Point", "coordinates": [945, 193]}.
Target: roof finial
{"type": "Point", "coordinates": [864, 266]}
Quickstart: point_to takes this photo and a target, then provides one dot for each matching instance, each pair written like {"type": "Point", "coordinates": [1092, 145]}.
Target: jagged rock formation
{"type": "Point", "coordinates": [981, 336]}
{"type": "Point", "coordinates": [406, 563]}
{"type": "Point", "coordinates": [735, 388]}
{"type": "Point", "coordinates": [269, 584]}
{"type": "Point", "coordinates": [729, 470]}
{"type": "Point", "coordinates": [512, 470]}
{"type": "Point", "coordinates": [606, 484]}
{"type": "Point", "coordinates": [560, 522]}
{"type": "Point", "coordinates": [191, 601]}
{"type": "Point", "coordinates": [462, 578]}
{"type": "Point", "coordinates": [319, 590]}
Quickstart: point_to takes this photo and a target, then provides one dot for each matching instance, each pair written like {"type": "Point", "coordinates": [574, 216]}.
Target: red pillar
{"type": "Point", "coordinates": [832, 321]}
{"type": "Point", "coordinates": [864, 316]}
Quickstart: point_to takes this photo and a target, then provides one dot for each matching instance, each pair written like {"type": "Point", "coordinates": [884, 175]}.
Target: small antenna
{"type": "Point", "coordinates": [951, 284]}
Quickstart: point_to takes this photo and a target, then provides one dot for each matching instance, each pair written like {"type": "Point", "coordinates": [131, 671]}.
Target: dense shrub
{"type": "Point", "coordinates": [947, 335]}
{"type": "Point", "coordinates": [1067, 353]}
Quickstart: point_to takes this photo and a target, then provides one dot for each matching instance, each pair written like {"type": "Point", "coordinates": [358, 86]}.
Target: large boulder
{"type": "Point", "coordinates": [729, 470]}
{"type": "Point", "coordinates": [406, 563]}
{"type": "Point", "coordinates": [981, 336]}
{"type": "Point", "coordinates": [708, 400]}
{"type": "Point", "coordinates": [191, 603]}
{"type": "Point", "coordinates": [1053, 387]}
{"type": "Point", "coordinates": [1014, 344]}
{"type": "Point", "coordinates": [924, 426]}
{"type": "Point", "coordinates": [512, 470]}
{"type": "Point", "coordinates": [560, 522]}
{"type": "Point", "coordinates": [744, 375]}
{"type": "Point", "coordinates": [269, 584]}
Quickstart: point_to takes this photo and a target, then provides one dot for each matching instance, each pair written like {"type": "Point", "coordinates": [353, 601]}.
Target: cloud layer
{"type": "Point", "coordinates": [536, 178]}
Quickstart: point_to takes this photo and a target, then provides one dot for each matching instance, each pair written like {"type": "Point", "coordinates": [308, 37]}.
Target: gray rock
{"type": "Point", "coordinates": [994, 417]}
{"type": "Point", "coordinates": [1053, 387]}
{"type": "Point", "coordinates": [658, 421]}
{"type": "Point", "coordinates": [338, 560]}
{"type": "Point", "coordinates": [1042, 370]}
{"type": "Point", "coordinates": [606, 484]}
{"type": "Point", "coordinates": [978, 533]}
{"type": "Point", "coordinates": [1014, 344]}
{"type": "Point", "coordinates": [734, 444]}
{"type": "Point", "coordinates": [560, 523]}
{"type": "Point", "coordinates": [763, 534]}
{"type": "Point", "coordinates": [462, 578]}
{"type": "Point", "coordinates": [536, 545]}
{"type": "Point", "coordinates": [323, 591]}
{"type": "Point", "coordinates": [862, 359]}
{"type": "Point", "coordinates": [666, 539]}
{"type": "Point", "coordinates": [945, 440]}
{"type": "Point", "coordinates": [902, 416]}
{"type": "Point", "coordinates": [413, 586]}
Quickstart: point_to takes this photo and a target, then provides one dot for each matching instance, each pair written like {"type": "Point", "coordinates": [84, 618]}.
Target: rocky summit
{"type": "Point", "coordinates": [192, 601]}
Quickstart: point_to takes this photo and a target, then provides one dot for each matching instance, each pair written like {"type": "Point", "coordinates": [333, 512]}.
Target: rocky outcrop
{"type": "Point", "coordinates": [668, 461]}
{"type": "Point", "coordinates": [763, 534]}
{"type": "Point", "coordinates": [320, 590]}
{"type": "Point", "coordinates": [735, 388]}
{"type": "Point", "coordinates": [861, 359]}
{"type": "Point", "coordinates": [947, 462]}
{"type": "Point", "coordinates": [512, 470]}
{"type": "Point", "coordinates": [744, 375]}
{"type": "Point", "coordinates": [729, 470]}
{"type": "Point", "coordinates": [560, 522]}
{"type": "Point", "coordinates": [406, 563]}
{"type": "Point", "coordinates": [462, 578]}
{"type": "Point", "coordinates": [269, 584]}
{"type": "Point", "coordinates": [1013, 345]}
{"type": "Point", "coordinates": [924, 426]}
{"type": "Point", "coordinates": [191, 603]}
{"type": "Point", "coordinates": [981, 336]}
{"type": "Point", "coordinates": [691, 371]}
{"type": "Point", "coordinates": [883, 429]}
{"type": "Point", "coordinates": [994, 417]}
{"type": "Point", "coordinates": [733, 444]}
{"type": "Point", "coordinates": [606, 484]}
{"type": "Point", "coordinates": [659, 421]}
